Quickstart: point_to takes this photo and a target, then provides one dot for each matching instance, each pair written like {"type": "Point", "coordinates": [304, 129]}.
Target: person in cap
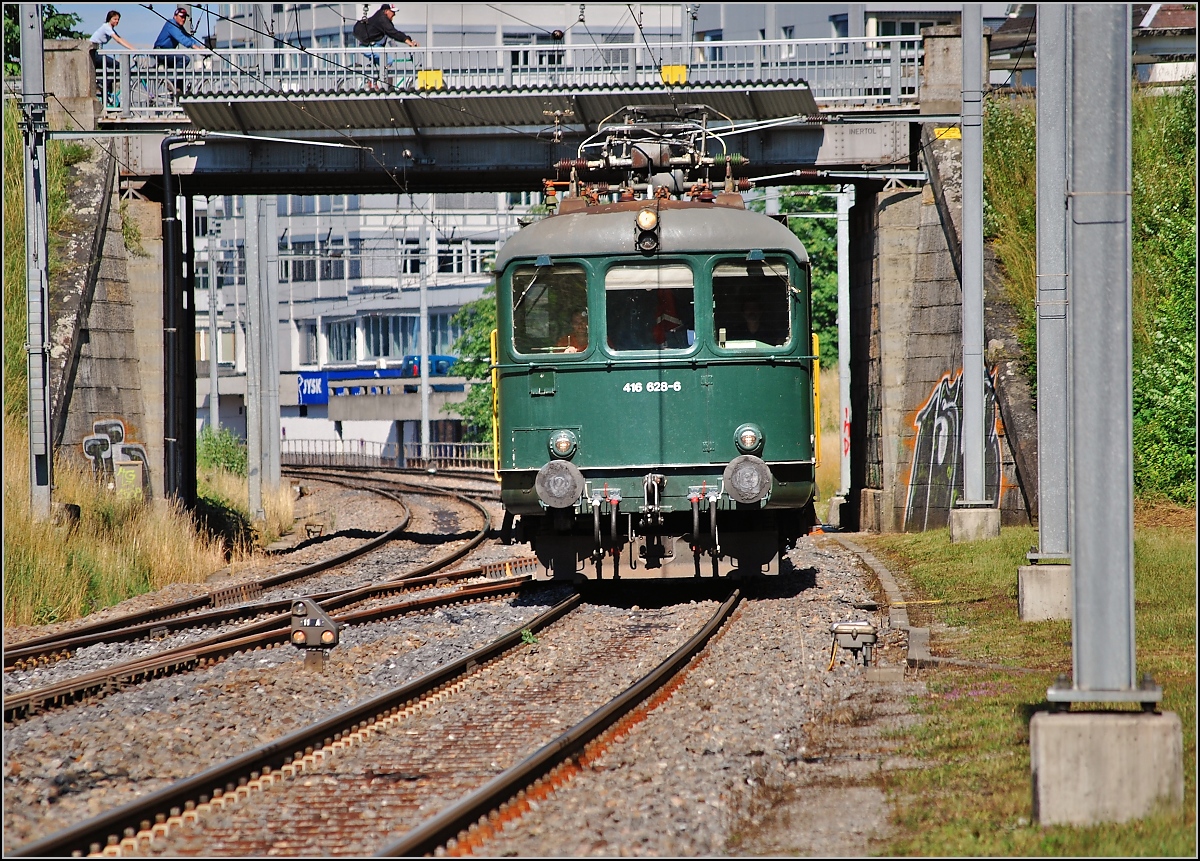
{"type": "Point", "coordinates": [172, 34]}
{"type": "Point", "coordinates": [380, 28]}
{"type": "Point", "coordinates": [374, 32]}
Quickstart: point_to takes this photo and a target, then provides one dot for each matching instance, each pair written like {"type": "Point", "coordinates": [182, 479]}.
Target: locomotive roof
{"type": "Point", "coordinates": [683, 226]}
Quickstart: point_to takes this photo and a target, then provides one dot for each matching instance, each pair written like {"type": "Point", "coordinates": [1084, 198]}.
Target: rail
{"type": "Point", "coordinates": [839, 72]}
{"type": "Point", "coordinates": [366, 453]}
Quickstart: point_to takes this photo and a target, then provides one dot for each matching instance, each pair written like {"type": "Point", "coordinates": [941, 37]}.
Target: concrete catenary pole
{"type": "Point", "coordinates": [37, 272]}
{"type": "Point", "coordinates": [1101, 421]}
{"type": "Point", "coordinates": [1052, 404]}
{"type": "Point", "coordinates": [269, 295]}
{"type": "Point", "coordinates": [972, 254]}
{"type": "Point", "coordinates": [429, 237]}
{"type": "Point", "coordinates": [254, 369]}
{"type": "Point", "coordinates": [845, 201]}
{"type": "Point", "coordinates": [214, 343]}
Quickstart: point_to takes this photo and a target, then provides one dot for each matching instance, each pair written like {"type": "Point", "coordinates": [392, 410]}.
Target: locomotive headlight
{"type": "Point", "coordinates": [562, 443]}
{"type": "Point", "coordinates": [647, 238]}
{"type": "Point", "coordinates": [748, 437]}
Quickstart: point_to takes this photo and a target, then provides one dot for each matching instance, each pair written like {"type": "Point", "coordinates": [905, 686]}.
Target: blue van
{"type": "Point", "coordinates": [439, 366]}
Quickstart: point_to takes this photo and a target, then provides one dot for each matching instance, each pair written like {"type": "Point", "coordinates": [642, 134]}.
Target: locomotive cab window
{"type": "Point", "coordinates": [550, 309]}
{"type": "Point", "coordinates": [750, 303]}
{"type": "Point", "coordinates": [650, 307]}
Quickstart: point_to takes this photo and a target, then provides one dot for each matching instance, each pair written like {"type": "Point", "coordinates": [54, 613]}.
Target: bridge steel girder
{"type": "Point", "coordinates": [489, 159]}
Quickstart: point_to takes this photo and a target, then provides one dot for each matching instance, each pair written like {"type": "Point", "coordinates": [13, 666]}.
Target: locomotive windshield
{"type": "Point", "coordinates": [550, 309]}
{"type": "Point", "coordinates": [650, 307]}
{"type": "Point", "coordinates": [750, 303]}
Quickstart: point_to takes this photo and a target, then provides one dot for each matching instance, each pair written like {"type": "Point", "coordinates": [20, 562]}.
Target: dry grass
{"type": "Point", "coordinates": [1149, 513]}
{"type": "Point", "coordinates": [234, 490]}
{"type": "Point", "coordinates": [54, 572]}
{"type": "Point", "coordinates": [829, 470]}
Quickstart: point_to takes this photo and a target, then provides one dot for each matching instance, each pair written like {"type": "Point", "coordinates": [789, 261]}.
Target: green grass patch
{"type": "Point", "coordinates": [59, 157]}
{"type": "Point", "coordinates": [972, 794]}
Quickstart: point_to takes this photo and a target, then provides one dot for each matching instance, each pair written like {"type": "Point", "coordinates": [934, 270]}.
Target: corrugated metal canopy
{"type": "Point", "coordinates": [495, 108]}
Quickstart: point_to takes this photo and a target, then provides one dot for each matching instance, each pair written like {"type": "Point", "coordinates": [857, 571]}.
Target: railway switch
{"type": "Point", "coordinates": [857, 635]}
{"type": "Point", "coordinates": [313, 631]}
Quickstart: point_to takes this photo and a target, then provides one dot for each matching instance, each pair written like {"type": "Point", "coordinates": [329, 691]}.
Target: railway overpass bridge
{"type": "Point", "coordinates": [861, 113]}
{"type": "Point", "coordinates": [456, 119]}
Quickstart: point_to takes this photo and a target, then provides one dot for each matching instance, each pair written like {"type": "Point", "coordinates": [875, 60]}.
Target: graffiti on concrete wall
{"type": "Point", "coordinates": [114, 457]}
{"type": "Point", "coordinates": [935, 481]}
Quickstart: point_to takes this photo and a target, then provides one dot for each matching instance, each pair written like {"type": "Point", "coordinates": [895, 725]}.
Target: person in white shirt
{"type": "Point", "coordinates": [108, 30]}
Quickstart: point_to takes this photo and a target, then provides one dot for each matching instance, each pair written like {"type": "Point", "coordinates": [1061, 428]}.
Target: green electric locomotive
{"type": "Point", "coordinates": [654, 371]}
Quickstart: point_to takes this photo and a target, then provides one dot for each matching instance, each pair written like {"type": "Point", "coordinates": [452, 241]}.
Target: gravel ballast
{"type": "Point", "coordinates": [764, 749]}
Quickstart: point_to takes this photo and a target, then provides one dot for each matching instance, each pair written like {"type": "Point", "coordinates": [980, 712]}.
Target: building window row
{"type": "Point", "coordinates": [384, 336]}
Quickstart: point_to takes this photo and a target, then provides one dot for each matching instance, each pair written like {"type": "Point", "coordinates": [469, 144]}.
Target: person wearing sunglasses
{"type": "Point", "coordinates": [172, 34]}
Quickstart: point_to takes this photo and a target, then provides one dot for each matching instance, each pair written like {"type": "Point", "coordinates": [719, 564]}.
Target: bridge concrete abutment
{"type": "Point", "coordinates": [906, 372]}
{"type": "Point", "coordinates": [71, 84]}
{"type": "Point", "coordinates": [106, 311]}
{"type": "Point", "coordinates": [146, 297]}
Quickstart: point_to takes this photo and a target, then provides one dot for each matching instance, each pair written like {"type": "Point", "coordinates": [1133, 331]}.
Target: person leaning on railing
{"type": "Point", "coordinates": [172, 35]}
{"type": "Point", "coordinates": [376, 30]}
{"type": "Point", "coordinates": [106, 31]}
{"type": "Point", "coordinates": [379, 28]}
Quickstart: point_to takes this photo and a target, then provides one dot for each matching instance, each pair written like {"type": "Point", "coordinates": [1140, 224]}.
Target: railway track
{"type": "Point", "coordinates": [476, 738]}
{"type": "Point", "coordinates": [236, 602]}
{"type": "Point", "coordinates": [481, 488]}
{"type": "Point", "coordinates": [269, 632]}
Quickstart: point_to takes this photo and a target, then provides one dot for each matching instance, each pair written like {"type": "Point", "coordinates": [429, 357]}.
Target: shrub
{"type": "Point", "coordinates": [1164, 273]}
{"type": "Point", "coordinates": [1164, 269]}
{"type": "Point", "coordinates": [221, 450]}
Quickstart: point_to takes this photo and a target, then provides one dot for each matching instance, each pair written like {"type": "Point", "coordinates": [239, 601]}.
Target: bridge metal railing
{"type": "Point", "coordinates": [840, 72]}
{"type": "Point", "coordinates": [358, 452]}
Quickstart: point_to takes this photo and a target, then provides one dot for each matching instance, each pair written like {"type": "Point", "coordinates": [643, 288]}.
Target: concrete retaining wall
{"type": "Point", "coordinates": [109, 396]}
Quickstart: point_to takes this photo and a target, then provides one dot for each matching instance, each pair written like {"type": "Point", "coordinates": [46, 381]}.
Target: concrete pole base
{"type": "Point", "coordinates": [834, 518]}
{"type": "Point", "coordinates": [1043, 592]}
{"type": "Point", "coordinates": [1092, 767]}
{"type": "Point", "coordinates": [974, 524]}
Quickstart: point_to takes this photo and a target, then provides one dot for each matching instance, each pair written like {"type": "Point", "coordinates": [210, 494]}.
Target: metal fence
{"type": "Point", "coordinates": [841, 72]}
{"type": "Point", "coordinates": [358, 452]}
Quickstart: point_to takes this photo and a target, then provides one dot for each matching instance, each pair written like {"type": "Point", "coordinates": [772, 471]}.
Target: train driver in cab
{"type": "Point", "coordinates": [576, 340]}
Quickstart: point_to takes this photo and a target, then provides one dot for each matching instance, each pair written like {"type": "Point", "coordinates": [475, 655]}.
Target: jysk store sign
{"type": "Point", "coordinates": [314, 387]}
